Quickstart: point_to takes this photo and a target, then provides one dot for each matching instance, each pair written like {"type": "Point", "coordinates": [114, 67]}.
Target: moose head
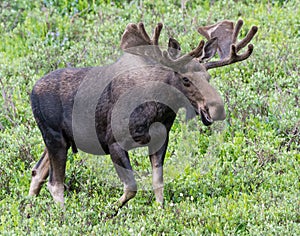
{"type": "Point", "coordinates": [192, 67]}
{"type": "Point", "coordinates": [135, 101]}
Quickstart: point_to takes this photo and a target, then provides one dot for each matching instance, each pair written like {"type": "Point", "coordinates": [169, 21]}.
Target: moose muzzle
{"type": "Point", "coordinates": [211, 112]}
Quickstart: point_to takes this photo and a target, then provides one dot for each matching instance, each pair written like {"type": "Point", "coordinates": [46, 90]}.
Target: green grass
{"type": "Point", "coordinates": [239, 177]}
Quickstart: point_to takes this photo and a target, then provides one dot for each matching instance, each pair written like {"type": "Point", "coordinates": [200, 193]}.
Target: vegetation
{"type": "Point", "coordinates": [240, 176]}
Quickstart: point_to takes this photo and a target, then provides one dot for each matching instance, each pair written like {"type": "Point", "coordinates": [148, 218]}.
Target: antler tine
{"type": "Point", "coordinates": [234, 57]}
{"type": "Point", "coordinates": [156, 34]}
{"type": "Point", "coordinates": [142, 31]}
{"type": "Point", "coordinates": [198, 50]}
{"type": "Point", "coordinates": [247, 39]}
{"type": "Point", "coordinates": [177, 63]}
{"type": "Point", "coordinates": [195, 53]}
{"type": "Point", "coordinates": [237, 29]}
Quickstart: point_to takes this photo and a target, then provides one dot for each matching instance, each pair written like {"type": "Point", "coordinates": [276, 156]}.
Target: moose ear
{"type": "Point", "coordinates": [174, 48]}
{"type": "Point", "coordinates": [209, 49]}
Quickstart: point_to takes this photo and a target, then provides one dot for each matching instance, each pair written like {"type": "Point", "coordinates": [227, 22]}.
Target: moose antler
{"type": "Point", "coordinates": [136, 36]}
{"type": "Point", "coordinates": [228, 48]}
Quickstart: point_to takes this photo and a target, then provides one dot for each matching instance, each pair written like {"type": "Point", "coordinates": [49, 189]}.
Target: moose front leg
{"type": "Point", "coordinates": [157, 178]}
{"type": "Point", "coordinates": [123, 167]}
{"type": "Point", "coordinates": [39, 174]}
{"type": "Point", "coordinates": [157, 162]}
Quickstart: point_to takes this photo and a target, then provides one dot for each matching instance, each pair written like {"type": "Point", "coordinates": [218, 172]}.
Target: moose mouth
{"type": "Point", "coordinates": [205, 116]}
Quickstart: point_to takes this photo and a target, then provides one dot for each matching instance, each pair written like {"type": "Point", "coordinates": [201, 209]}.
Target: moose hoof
{"type": "Point", "coordinates": [126, 197]}
{"type": "Point", "coordinates": [57, 192]}
{"type": "Point", "coordinates": [158, 205]}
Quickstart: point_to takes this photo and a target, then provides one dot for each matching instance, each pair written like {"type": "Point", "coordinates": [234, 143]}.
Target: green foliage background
{"type": "Point", "coordinates": [244, 175]}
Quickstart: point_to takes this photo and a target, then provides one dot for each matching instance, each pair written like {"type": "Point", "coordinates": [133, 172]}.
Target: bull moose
{"type": "Point", "coordinates": [84, 108]}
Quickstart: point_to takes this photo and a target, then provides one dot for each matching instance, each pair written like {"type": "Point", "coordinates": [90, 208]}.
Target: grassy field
{"type": "Point", "coordinates": [238, 177]}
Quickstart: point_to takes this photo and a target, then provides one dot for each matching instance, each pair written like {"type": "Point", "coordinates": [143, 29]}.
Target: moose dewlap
{"type": "Point", "coordinates": [130, 103]}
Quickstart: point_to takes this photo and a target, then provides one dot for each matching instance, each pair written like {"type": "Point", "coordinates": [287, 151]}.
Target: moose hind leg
{"type": "Point", "coordinates": [40, 173]}
{"type": "Point", "coordinates": [123, 167]}
{"type": "Point", "coordinates": [58, 157]}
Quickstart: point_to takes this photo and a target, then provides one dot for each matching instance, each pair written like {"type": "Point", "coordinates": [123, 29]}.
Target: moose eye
{"type": "Point", "coordinates": [186, 81]}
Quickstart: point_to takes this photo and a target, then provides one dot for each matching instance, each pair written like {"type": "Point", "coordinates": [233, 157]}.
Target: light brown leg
{"type": "Point", "coordinates": [40, 173]}
{"type": "Point", "coordinates": [158, 183]}
{"type": "Point", "coordinates": [123, 167]}
{"type": "Point", "coordinates": [58, 158]}
{"type": "Point", "coordinates": [157, 162]}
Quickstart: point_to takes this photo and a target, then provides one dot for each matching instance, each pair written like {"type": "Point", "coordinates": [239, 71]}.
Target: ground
{"type": "Point", "coordinates": [240, 176]}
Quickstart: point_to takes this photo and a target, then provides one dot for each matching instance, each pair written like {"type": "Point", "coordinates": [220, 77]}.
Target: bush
{"type": "Point", "coordinates": [240, 177]}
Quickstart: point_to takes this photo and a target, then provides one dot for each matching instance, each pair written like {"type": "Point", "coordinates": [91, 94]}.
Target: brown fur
{"type": "Point", "coordinates": [169, 78]}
